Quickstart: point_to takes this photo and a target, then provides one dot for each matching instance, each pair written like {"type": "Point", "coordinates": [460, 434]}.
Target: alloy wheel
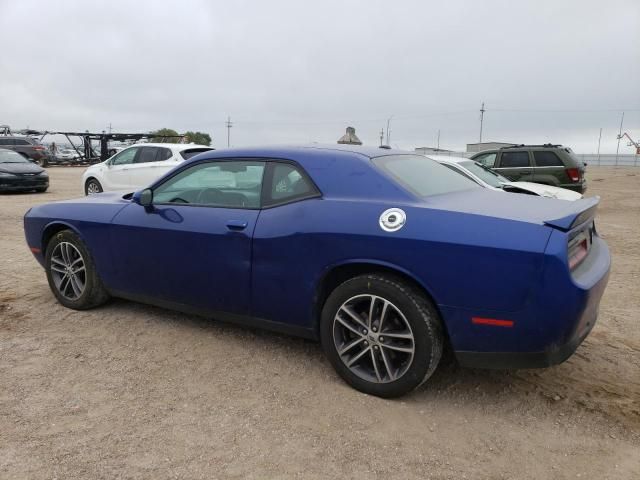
{"type": "Point", "coordinates": [373, 338]}
{"type": "Point", "coordinates": [68, 270]}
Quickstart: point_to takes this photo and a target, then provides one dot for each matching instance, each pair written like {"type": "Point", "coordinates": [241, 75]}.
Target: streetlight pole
{"type": "Point", "coordinates": [388, 135]}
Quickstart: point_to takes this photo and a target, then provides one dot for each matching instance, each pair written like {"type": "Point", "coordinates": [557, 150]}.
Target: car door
{"type": "Point", "coordinates": [193, 245]}
{"type": "Point", "coordinates": [281, 252]}
{"type": "Point", "coordinates": [116, 175]}
{"type": "Point", "coordinates": [516, 165]}
{"type": "Point", "coordinates": [149, 165]}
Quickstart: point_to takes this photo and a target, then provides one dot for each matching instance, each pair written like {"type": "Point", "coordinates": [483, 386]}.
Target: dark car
{"type": "Point", "coordinates": [381, 254]}
{"type": "Point", "coordinates": [19, 174]}
{"type": "Point", "coordinates": [547, 164]}
{"type": "Point", "coordinates": [28, 147]}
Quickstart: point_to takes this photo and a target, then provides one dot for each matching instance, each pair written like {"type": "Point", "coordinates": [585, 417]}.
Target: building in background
{"type": "Point", "coordinates": [350, 138]}
{"type": "Point", "coordinates": [479, 147]}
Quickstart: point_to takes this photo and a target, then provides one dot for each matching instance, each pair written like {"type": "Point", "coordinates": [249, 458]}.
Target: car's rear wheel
{"type": "Point", "coordinates": [92, 186]}
{"type": "Point", "coordinates": [383, 336]}
{"type": "Point", "coordinates": [41, 190]}
{"type": "Point", "coordinates": [71, 272]}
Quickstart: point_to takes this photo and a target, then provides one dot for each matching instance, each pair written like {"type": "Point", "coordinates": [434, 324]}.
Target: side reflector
{"type": "Point", "coordinates": [492, 322]}
{"type": "Point", "coordinates": [34, 250]}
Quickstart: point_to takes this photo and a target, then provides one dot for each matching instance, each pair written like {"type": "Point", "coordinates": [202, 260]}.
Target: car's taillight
{"type": "Point", "coordinates": [577, 253]}
{"type": "Point", "coordinates": [38, 147]}
{"type": "Point", "coordinates": [574, 174]}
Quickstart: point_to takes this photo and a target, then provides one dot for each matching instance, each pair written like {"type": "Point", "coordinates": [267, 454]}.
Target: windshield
{"type": "Point", "coordinates": [423, 176]}
{"type": "Point", "coordinates": [9, 156]}
{"type": "Point", "coordinates": [483, 173]}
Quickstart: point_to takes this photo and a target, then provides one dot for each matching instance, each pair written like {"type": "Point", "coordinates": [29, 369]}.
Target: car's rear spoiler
{"type": "Point", "coordinates": [581, 211]}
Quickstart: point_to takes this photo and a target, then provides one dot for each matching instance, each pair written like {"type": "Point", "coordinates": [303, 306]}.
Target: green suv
{"type": "Point", "coordinates": [547, 164]}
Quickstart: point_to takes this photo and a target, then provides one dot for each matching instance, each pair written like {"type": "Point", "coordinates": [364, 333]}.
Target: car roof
{"type": "Point", "coordinates": [179, 146]}
{"type": "Point", "coordinates": [333, 168]}
{"type": "Point", "coordinates": [285, 151]}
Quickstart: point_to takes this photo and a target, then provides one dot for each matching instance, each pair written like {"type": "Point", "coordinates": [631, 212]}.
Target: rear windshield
{"type": "Point", "coordinates": [187, 154]}
{"type": "Point", "coordinates": [423, 176]}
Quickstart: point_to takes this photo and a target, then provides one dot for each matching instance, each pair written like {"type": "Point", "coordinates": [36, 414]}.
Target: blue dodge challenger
{"type": "Point", "coordinates": [385, 256]}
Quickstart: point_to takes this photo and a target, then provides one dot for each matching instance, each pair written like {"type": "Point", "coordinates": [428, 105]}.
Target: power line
{"type": "Point", "coordinates": [229, 125]}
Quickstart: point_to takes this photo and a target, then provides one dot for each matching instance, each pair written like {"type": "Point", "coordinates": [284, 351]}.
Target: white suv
{"type": "Point", "coordinates": [137, 166]}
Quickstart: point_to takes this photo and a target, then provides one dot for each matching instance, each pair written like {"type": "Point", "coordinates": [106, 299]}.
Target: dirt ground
{"type": "Point", "coordinates": [132, 391]}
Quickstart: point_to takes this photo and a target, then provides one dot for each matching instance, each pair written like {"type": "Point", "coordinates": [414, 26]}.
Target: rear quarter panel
{"type": "Point", "coordinates": [464, 261]}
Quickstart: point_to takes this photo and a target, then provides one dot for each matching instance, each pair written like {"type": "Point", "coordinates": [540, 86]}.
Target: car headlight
{"type": "Point", "coordinates": [43, 174]}
{"type": "Point", "coordinates": [6, 174]}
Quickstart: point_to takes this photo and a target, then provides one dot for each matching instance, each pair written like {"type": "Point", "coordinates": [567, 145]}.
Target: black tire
{"type": "Point", "coordinates": [94, 293]}
{"type": "Point", "coordinates": [41, 190]}
{"type": "Point", "coordinates": [92, 182]}
{"type": "Point", "coordinates": [416, 310]}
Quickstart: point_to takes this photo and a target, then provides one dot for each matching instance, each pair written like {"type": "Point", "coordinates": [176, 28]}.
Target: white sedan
{"type": "Point", "coordinates": [137, 166]}
{"type": "Point", "coordinates": [488, 178]}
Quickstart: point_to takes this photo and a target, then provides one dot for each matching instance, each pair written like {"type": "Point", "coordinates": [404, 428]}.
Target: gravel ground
{"type": "Point", "coordinates": [132, 391]}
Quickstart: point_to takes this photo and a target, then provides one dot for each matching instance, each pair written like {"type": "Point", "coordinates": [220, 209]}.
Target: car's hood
{"type": "Point", "coordinates": [105, 197]}
{"type": "Point", "coordinates": [517, 207]}
{"type": "Point", "coordinates": [546, 190]}
{"type": "Point", "coordinates": [20, 168]}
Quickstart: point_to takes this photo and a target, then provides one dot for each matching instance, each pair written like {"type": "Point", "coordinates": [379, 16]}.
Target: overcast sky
{"type": "Point", "coordinates": [301, 71]}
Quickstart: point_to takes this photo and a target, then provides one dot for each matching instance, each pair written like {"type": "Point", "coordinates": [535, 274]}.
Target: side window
{"type": "Point", "coordinates": [6, 141]}
{"type": "Point", "coordinates": [488, 159]}
{"type": "Point", "coordinates": [163, 154]}
{"type": "Point", "coordinates": [20, 141]}
{"type": "Point", "coordinates": [124, 157]}
{"type": "Point", "coordinates": [287, 183]}
{"type": "Point", "coordinates": [147, 154]}
{"type": "Point", "coordinates": [547, 159]}
{"type": "Point", "coordinates": [514, 159]}
{"type": "Point", "coordinates": [229, 184]}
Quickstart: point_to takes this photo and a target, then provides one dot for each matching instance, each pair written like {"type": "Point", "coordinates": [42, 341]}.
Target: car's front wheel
{"type": "Point", "coordinates": [92, 186]}
{"type": "Point", "coordinates": [382, 335]}
{"type": "Point", "coordinates": [71, 273]}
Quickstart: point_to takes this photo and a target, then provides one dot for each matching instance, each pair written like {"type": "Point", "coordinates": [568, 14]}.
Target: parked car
{"type": "Point", "coordinates": [137, 166]}
{"type": "Point", "coordinates": [487, 178]}
{"type": "Point", "coordinates": [67, 155]}
{"type": "Point", "coordinates": [17, 174]}
{"type": "Point", "coordinates": [29, 147]}
{"type": "Point", "coordinates": [548, 164]}
{"type": "Point", "coordinates": [383, 255]}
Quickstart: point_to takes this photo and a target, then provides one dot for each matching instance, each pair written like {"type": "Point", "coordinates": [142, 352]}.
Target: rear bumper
{"type": "Point", "coordinates": [517, 360]}
{"type": "Point", "coordinates": [576, 187]}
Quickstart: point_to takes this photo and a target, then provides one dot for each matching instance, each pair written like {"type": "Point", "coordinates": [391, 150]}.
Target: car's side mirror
{"type": "Point", "coordinates": [144, 197]}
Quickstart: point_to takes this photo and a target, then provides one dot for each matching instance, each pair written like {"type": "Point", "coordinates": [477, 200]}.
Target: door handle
{"type": "Point", "coordinates": [236, 225]}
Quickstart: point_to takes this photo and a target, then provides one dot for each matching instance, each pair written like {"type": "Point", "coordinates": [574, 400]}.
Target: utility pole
{"type": "Point", "coordinates": [438, 144]}
{"type": "Point", "coordinates": [482, 110]}
{"type": "Point", "coordinates": [381, 135]}
{"type": "Point", "coordinates": [599, 138]}
{"type": "Point", "coordinates": [109, 127]}
{"type": "Point", "coordinates": [229, 125]}
{"type": "Point", "coordinates": [619, 137]}
{"type": "Point", "coordinates": [388, 134]}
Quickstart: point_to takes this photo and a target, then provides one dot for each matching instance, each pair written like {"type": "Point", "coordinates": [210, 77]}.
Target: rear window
{"type": "Point", "coordinates": [423, 176]}
{"type": "Point", "coordinates": [192, 152]}
{"type": "Point", "coordinates": [547, 159]}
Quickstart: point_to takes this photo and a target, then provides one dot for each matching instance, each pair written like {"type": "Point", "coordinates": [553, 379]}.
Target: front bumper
{"type": "Point", "coordinates": [22, 183]}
